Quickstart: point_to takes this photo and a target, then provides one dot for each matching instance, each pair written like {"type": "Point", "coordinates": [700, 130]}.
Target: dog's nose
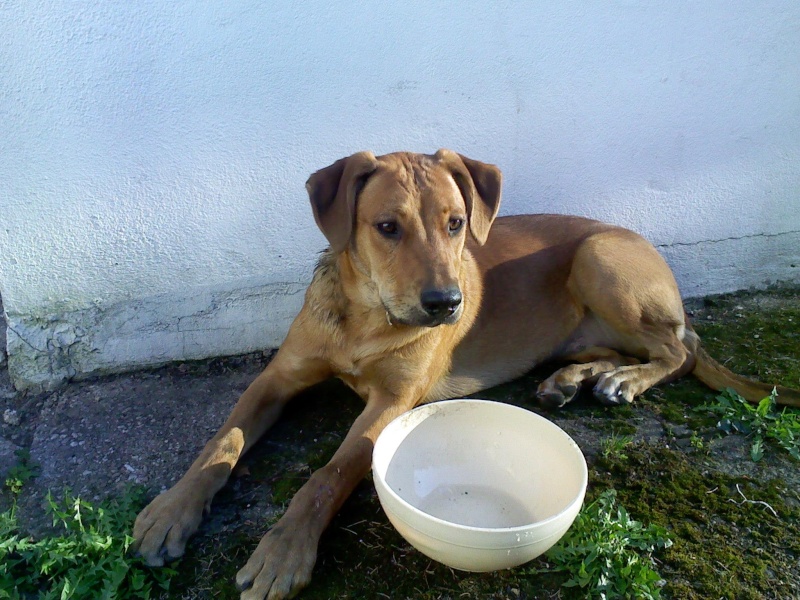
{"type": "Point", "coordinates": [441, 303]}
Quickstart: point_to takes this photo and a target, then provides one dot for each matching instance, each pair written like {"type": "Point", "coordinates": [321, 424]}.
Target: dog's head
{"type": "Point", "coordinates": [403, 219]}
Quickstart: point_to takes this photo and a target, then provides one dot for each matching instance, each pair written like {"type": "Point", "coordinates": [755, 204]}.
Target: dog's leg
{"type": "Point", "coordinates": [624, 282]}
{"type": "Point", "coordinates": [164, 526]}
{"type": "Point", "coordinates": [282, 563]}
{"type": "Point", "coordinates": [562, 386]}
{"type": "Point", "coordinates": [668, 359]}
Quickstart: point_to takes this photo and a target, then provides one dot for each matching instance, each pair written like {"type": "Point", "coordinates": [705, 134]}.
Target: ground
{"type": "Point", "coordinates": [735, 522]}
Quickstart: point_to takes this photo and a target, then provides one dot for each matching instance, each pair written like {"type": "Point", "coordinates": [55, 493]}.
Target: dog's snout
{"type": "Point", "coordinates": [441, 303]}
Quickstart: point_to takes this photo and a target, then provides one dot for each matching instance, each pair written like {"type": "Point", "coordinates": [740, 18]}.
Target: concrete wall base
{"type": "Point", "coordinates": [44, 351]}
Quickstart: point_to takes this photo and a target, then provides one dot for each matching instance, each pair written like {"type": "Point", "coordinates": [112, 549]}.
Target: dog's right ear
{"type": "Point", "coordinates": [333, 192]}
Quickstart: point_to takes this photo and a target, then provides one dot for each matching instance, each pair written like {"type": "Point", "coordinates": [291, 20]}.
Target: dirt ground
{"type": "Point", "coordinates": [97, 437]}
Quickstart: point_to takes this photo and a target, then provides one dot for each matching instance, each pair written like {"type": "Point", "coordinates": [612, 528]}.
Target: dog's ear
{"type": "Point", "coordinates": [480, 184]}
{"type": "Point", "coordinates": [333, 192]}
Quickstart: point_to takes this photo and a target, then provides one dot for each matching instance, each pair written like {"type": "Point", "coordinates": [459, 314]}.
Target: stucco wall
{"type": "Point", "coordinates": [154, 154]}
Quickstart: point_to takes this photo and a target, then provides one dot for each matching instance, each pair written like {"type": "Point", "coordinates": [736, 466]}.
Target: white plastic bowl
{"type": "Point", "coordinates": [478, 485]}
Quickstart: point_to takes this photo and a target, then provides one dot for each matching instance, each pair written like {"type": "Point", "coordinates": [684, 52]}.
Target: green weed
{"type": "Point", "coordinates": [21, 473]}
{"type": "Point", "coordinates": [607, 554]}
{"type": "Point", "coordinates": [697, 442]}
{"type": "Point", "coordinates": [614, 445]}
{"type": "Point", "coordinates": [762, 422]}
{"type": "Point", "coordinates": [88, 559]}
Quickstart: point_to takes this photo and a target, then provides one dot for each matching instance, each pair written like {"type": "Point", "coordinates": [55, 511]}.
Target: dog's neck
{"type": "Point", "coordinates": [341, 293]}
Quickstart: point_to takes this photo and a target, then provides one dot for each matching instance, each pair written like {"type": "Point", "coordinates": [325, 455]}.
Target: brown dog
{"type": "Point", "coordinates": [415, 301]}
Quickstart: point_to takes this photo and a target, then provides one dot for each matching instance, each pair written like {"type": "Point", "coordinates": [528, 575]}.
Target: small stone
{"type": "Point", "coordinates": [11, 417]}
{"type": "Point", "coordinates": [681, 431]}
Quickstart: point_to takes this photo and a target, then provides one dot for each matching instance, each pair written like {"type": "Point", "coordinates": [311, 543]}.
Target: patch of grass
{"type": "Point", "coordinates": [754, 334]}
{"type": "Point", "coordinates": [614, 445]}
{"type": "Point", "coordinates": [762, 422]}
{"type": "Point", "coordinates": [724, 547]}
{"type": "Point", "coordinates": [621, 420]}
{"type": "Point", "coordinates": [89, 559]}
{"type": "Point", "coordinates": [607, 554]}
{"type": "Point", "coordinates": [673, 401]}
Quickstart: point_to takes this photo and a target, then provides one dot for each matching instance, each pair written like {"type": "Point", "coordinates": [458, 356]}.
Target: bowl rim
{"type": "Point", "coordinates": [577, 499]}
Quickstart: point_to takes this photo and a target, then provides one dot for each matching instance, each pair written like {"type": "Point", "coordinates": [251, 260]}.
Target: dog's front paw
{"type": "Point", "coordinates": [280, 566]}
{"type": "Point", "coordinates": [551, 395]}
{"type": "Point", "coordinates": [162, 529]}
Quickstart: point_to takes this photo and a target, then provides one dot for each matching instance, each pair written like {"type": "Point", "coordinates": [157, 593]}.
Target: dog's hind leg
{"type": "Point", "coordinates": [668, 359]}
{"type": "Point", "coordinates": [625, 284]}
{"type": "Point", "coordinates": [563, 385]}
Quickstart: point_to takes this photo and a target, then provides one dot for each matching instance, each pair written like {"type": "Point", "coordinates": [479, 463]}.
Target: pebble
{"type": "Point", "coordinates": [681, 431]}
{"type": "Point", "coordinates": [11, 417]}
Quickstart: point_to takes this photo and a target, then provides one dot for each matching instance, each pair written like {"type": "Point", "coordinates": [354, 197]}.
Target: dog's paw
{"type": "Point", "coordinates": [280, 566]}
{"type": "Point", "coordinates": [613, 389]}
{"type": "Point", "coordinates": [165, 525]}
{"type": "Point", "coordinates": [555, 396]}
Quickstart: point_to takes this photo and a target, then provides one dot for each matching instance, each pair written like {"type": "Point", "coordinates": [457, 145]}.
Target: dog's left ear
{"type": "Point", "coordinates": [480, 184]}
{"type": "Point", "coordinates": [333, 192]}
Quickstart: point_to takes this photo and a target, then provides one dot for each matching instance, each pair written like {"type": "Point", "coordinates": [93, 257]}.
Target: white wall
{"type": "Point", "coordinates": [154, 154]}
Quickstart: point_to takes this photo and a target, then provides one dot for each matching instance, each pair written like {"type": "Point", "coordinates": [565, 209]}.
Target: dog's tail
{"type": "Point", "coordinates": [717, 377]}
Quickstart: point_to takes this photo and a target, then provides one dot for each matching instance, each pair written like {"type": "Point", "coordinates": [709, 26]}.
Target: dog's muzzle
{"type": "Point", "coordinates": [436, 307]}
{"type": "Point", "coordinates": [441, 305]}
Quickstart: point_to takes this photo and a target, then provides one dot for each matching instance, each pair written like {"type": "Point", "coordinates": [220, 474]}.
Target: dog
{"type": "Point", "coordinates": [424, 294]}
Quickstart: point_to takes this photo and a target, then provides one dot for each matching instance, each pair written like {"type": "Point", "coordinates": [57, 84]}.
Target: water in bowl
{"type": "Point", "coordinates": [475, 506]}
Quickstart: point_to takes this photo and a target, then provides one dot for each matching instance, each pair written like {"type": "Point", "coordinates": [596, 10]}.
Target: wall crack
{"type": "Point", "coordinates": [23, 340]}
{"type": "Point", "coordinates": [728, 239]}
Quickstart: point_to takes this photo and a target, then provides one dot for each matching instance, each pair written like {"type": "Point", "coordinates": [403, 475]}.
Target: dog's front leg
{"type": "Point", "coordinates": [282, 563]}
{"type": "Point", "coordinates": [162, 529]}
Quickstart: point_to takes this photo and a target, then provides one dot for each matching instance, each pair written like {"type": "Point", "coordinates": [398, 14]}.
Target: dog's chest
{"type": "Point", "coordinates": [391, 372]}
{"type": "Point", "coordinates": [354, 377]}
{"type": "Point", "coordinates": [351, 370]}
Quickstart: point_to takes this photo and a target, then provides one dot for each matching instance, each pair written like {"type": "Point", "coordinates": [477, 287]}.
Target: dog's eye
{"type": "Point", "coordinates": [388, 228]}
{"type": "Point", "coordinates": [455, 225]}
